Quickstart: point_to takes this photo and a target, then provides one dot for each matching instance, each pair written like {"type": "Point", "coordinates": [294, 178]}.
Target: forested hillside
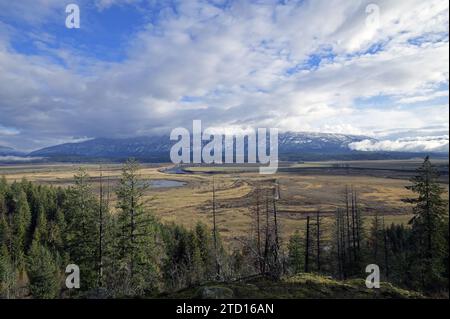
{"type": "Point", "coordinates": [130, 253]}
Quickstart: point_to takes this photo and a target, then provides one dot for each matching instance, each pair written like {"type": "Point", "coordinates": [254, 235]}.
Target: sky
{"type": "Point", "coordinates": [145, 67]}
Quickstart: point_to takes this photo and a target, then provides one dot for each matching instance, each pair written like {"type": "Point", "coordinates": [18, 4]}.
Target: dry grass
{"type": "Point", "coordinates": [300, 195]}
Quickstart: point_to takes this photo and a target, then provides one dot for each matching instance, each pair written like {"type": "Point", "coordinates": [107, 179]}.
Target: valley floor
{"type": "Point", "coordinates": [305, 188]}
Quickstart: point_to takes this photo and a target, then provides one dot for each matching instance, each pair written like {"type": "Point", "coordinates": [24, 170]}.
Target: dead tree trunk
{"type": "Point", "coordinates": [386, 251]}
{"type": "Point", "coordinates": [100, 233]}
{"type": "Point", "coordinates": [258, 232]}
{"type": "Point", "coordinates": [215, 231]}
{"type": "Point", "coordinates": [277, 240]}
{"type": "Point", "coordinates": [353, 228]}
{"type": "Point", "coordinates": [275, 221]}
{"type": "Point", "coordinates": [343, 244]}
{"type": "Point", "coordinates": [133, 229]}
{"type": "Point", "coordinates": [348, 239]}
{"type": "Point", "coordinates": [358, 225]}
{"type": "Point", "coordinates": [307, 244]}
{"type": "Point", "coordinates": [318, 235]}
{"type": "Point", "coordinates": [338, 243]}
{"type": "Point", "coordinates": [267, 236]}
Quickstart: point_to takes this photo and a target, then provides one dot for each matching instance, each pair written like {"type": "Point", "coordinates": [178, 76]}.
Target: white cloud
{"type": "Point", "coordinates": [9, 159]}
{"type": "Point", "coordinates": [426, 96]}
{"type": "Point", "coordinates": [232, 67]}
{"type": "Point", "coordinates": [34, 12]}
{"type": "Point", "coordinates": [414, 144]}
{"type": "Point", "coordinates": [105, 4]}
{"type": "Point", "coordinates": [8, 131]}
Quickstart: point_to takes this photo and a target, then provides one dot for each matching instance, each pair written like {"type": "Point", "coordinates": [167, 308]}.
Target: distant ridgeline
{"type": "Point", "coordinates": [292, 147]}
{"type": "Point", "coordinates": [9, 151]}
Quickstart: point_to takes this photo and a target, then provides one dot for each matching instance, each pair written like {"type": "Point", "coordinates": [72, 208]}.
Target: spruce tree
{"type": "Point", "coordinates": [81, 230]}
{"type": "Point", "coordinates": [21, 220]}
{"type": "Point", "coordinates": [429, 227]}
{"type": "Point", "coordinates": [8, 274]}
{"type": "Point", "coordinates": [5, 229]}
{"type": "Point", "coordinates": [137, 234]}
{"type": "Point", "coordinates": [375, 240]}
{"type": "Point", "coordinates": [42, 273]}
{"type": "Point", "coordinates": [196, 269]}
{"type": "Point", "coordinates": [296, 257]}
{"type": "Point", "coordinates": [41, 230]}
{"type": "Point", "coordinates": [204, 242]}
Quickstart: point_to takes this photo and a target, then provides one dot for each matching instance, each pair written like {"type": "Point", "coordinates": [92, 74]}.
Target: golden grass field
{"type": "Point", "coordinates": [300, 194]}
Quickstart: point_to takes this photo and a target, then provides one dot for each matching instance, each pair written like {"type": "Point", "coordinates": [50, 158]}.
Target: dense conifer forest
{"type": "Point", "coordinates": [130, 253]}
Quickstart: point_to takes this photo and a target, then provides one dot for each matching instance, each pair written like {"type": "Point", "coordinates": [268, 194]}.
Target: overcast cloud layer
{"type": "Point", "coordinates": [319, 65]}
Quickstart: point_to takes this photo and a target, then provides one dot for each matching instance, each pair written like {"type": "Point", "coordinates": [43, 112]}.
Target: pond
{"type": "Point", "coordinates": [175, 170]}
{"type": "Point", "coordinates": [164, 183]}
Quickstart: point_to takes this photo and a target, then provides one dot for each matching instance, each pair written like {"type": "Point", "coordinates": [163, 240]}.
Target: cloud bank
{"type": "Point", "coordinates": [295, 65]}
{"type": "Point", "coordinates": [9, 159]}
{"type": "Point", "coordinates": [438, 144]}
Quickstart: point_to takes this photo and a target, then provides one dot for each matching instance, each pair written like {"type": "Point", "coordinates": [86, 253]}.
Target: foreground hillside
{"type": "Point", "coordinates": [294, 287]}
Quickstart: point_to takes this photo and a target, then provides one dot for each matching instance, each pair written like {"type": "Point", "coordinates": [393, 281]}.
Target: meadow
{"type": "Point", "coordinates": [304, 189]}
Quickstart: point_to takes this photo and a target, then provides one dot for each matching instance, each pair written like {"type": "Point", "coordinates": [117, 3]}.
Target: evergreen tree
{"type": "Point", "coordinates": [307, 244]}
{"type": "Point", "coordinates": [81, 231]}
{"type": "Point", "coordinates": [375, 240]}
{"type": "Point", "coordinates": [318, 242]}
{"type": "Point", "coordinates": [41, 229]}
{"type": "Point", "coordinates": [196, 267]}
{"type": "Point", "coordinates": [3, 208]}
{"type": "Point", "coordinates": [3, 185]}
{"type": "Point", "coordinates": [56, 232]}
{"type": "Point", "coordinates": [296, 257]}
{"type": "Point", "coordinates": [42, 272]}
{"type": "Point", "coordinates": [21, 219]}
{"type": "Point", "coordinates": [137, 234]}
{"type": "Point", "coordinates": [400, 252]}
{"type": "Point", "coordinates": [8, 274]}
{"type": "Point", "coordinates": [204, 243]}
{"type": "Point", "coordinates": [339, 244]}
{"type": "Point", "coordinates": [5, 229]}
{"type": "Point", "coordinates": [429, 227]}
{"type": "Point", "coordinates": [103, 210]}
{"type": "Point", "coordinates": [177, 262]}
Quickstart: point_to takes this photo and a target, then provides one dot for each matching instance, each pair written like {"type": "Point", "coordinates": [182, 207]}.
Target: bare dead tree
{"type": "Point", "coordinates": [271, 256]}
{"type": "Point", "coordinates": [353, 227]}
{"type": "Point", "coordinates": [348, 239]}
{"type": "Point", "coordinates": [386, 250]}
{"type": "Point", "coordinates": [276, 248]}
{"type": "Point", "coordinates": [307, 245]}
{"type": "Point", "coordinates": [343, 243]}
{"type": "Point", "coordinates": [215, 231]}
{"type": "Point", "coordinates": [101, 231]}
{"type": "Point", "coordinates": [267, 236]}
{"type": "Point", "coordinates": [275, 221]}
{"type": "Point", "coordinates": [258, 231]}
{"type": "Point", "coordinates": [358, 224]}
{"type": "Point", "coordinates": [338, 242]}
{"type": "Point", "coordinates": [318, 240]}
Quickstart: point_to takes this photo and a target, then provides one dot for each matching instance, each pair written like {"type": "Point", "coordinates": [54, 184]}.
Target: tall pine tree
{"type": "Point", "coordinates": [429, 227]}
{"type": "Point", "coordinates": [137, 234]}
{"type": "Point", "coordinates": [81, 230]}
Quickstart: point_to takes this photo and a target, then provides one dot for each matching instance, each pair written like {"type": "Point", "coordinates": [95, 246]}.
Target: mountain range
{"type": "Point", "coordinates": [157, 148]}
{"type": "Point", "coordinates": [292, 146]}
{"type": "Point", "coordinates": [9, 151]}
